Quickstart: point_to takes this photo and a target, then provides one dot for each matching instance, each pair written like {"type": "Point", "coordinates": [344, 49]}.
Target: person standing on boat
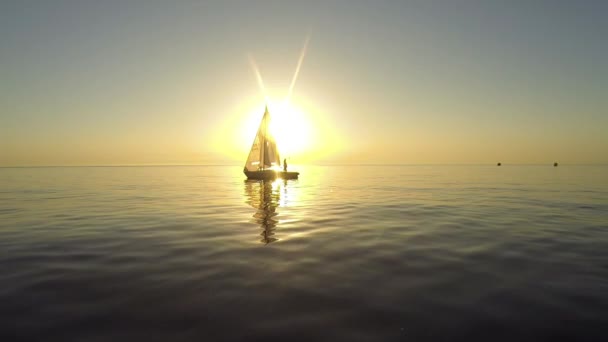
{"type": "Point", "coordinates": [285, 165]}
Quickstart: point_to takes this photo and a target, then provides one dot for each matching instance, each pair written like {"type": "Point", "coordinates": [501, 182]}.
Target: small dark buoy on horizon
{"type": "Point", "coordinates": [498, 164]}
{"type": "Point", "coordinates": [555, 164]}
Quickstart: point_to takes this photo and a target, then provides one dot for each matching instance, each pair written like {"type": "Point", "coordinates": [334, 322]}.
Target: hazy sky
{"type": "Point", "coordinates": [169, 82]}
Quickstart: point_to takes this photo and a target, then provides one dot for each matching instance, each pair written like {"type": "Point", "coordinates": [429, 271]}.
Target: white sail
{"type": "Point", "coordinates": [271, 153]}
{"type": "Point", "coordinates": [264, 153]}
{"type": "Point", "coordinates": [253, 160]}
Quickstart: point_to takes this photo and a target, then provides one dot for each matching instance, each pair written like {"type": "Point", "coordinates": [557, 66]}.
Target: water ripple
{"type": "Point", "coordinates": [344, 253]}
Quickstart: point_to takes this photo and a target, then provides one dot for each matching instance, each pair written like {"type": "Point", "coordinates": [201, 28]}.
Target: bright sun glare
{"type": "Point", "coordinates": [301, 130]}
{"type": "Point", "coordinates": [298, 127]}
{"type": "Point", "coordinates": [290, 128]}
{"type": "Point", "coordinates": [289, 125]}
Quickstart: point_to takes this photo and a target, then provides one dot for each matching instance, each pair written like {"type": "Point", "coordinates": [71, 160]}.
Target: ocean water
{"type": "Point", "coordinates": [351, 253]}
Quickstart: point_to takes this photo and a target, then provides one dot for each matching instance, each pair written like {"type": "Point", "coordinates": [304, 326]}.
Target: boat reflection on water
{"type": "Point", "coordinates": [265, 196]}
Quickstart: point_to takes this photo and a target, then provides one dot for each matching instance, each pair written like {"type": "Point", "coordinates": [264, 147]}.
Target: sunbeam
{"type": "Point", "coordinates": [258, 77]}
{"type": "Point", "coordinates": [297, 72]}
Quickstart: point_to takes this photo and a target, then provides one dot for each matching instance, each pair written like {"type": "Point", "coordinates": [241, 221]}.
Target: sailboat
{"type": "Point", "coordinates": [264, 161]}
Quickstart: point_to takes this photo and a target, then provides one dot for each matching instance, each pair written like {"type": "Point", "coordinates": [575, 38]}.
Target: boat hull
{"type": "Point", "coordinates": [271, 174]}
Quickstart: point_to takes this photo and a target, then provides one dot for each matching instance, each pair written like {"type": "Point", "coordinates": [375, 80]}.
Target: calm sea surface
{"type": "Point", "coordinates": [371, 253]}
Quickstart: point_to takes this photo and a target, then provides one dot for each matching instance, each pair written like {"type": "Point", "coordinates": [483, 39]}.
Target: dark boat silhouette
{"type": "Point", "coordinates": [264, 162]}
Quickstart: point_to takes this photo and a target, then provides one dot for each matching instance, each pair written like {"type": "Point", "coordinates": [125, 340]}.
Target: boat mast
{"type": "Point", "coordinates": [263, 139]}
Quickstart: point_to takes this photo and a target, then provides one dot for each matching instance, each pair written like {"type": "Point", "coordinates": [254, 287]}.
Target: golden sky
{"type": "Point", "coordinates": [173, 83]}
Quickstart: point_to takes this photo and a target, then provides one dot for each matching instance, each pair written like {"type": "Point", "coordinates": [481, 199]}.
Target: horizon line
{"type": "Point", "coordinates": [321, 164]}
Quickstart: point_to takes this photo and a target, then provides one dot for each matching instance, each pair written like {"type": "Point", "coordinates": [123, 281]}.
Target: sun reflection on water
{"type": "Point", "coordinates": [265, 196]}
{"type": "Point", "coordinates": [288, 209]}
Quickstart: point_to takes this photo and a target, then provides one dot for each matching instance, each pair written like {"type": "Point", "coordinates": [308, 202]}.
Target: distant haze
{"type": "Point", "coordinates": [159, 82]}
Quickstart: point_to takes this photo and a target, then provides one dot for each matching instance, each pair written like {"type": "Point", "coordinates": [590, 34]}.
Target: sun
{"type": "Point", "coordinates": [291, 128]}
{"type": "Point", "coordinates": [302, 130]}
{"type": "Point", "coordinates": [290, 125]}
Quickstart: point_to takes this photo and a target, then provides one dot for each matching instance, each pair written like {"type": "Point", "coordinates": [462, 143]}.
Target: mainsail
{"type": "Point", "coordinates": [264, 153]}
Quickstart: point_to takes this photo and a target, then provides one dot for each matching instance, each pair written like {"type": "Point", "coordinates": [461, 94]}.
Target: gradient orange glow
{"type": "Point", "coordinates": [416, 82]}
{"type": "Point", "coordinates": [301, 131]}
